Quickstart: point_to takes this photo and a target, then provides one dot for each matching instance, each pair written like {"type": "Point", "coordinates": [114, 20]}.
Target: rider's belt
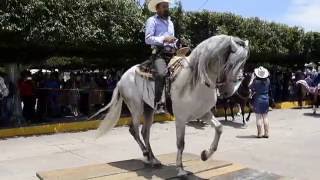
{"type": "Point", "coordinates": [166, 52]}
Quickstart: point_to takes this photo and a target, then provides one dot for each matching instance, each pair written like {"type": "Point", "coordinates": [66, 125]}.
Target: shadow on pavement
{"type": "Point", "coordinates": [232, 124]}
{"type": "Point", "coordinates": [312, 115]}
{"type": "Point", "coordinates": [197, 124]}
{"type": "Point", "coordinates": [247, 137]}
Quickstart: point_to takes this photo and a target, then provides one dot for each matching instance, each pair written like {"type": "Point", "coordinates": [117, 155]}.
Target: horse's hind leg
{"type": "Point", "coordinates": [148, 120]}
{"type": "Point", "coordinates": [134, 131]}
{"type": "Point", "coordinates": [231, 110]}
{"type": "Point", "coordinates": [134, 128]}
{"type": "Point", "coordinates": [225, 111]}
{"type": "Point", "coordinates": [250, 111]}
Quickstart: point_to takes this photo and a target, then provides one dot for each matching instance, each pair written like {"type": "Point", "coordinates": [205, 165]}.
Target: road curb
{"type": "Point", "coordinates": [68, 127]}
{"type": "Point", "coordinates": [88, 125]}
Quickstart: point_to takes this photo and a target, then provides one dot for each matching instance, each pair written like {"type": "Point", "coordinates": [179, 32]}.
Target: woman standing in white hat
{"type": "Point", "coordinates": [260, 88]}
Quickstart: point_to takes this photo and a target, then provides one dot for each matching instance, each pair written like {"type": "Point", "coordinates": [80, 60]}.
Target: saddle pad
{"type": "Point", "coordinates": [175, 65]}
{"type": "Point", "coordinates": [145, 70]}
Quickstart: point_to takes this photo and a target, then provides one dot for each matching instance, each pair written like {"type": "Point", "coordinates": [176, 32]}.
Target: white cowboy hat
{"type": "Point", "coordinates": [310, 65]}
{"type": "Point", "coordinates": [261, 72]}
{"type": "Point", "coordinates": [153, 3]}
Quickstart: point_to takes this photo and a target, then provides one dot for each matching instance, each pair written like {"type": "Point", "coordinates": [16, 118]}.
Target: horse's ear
{"type": "Point", "coordinates": [246, 43]}
{"type": "Point", "coordinates": [233, 45]}
{"type": "Point", "coordinates": [236, 42]}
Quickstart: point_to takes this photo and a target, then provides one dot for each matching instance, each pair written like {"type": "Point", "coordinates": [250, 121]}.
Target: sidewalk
{"type": "Point", "coordinates": [87, 125]}
{"type": "Point", "coordinates": [292, 150]}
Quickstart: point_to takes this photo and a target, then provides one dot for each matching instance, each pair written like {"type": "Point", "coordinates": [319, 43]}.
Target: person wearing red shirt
{"type": "Point", "coordinates": [26, 88]}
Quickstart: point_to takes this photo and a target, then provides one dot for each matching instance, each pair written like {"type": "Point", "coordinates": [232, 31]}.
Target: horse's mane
{"type": "Point", "coordinates": [202, 55]}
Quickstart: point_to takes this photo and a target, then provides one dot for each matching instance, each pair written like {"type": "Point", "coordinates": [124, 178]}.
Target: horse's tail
{"type": "Point", "coordinates": [113, 115]}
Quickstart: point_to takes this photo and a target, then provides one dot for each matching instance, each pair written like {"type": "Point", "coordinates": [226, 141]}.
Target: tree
{"type": "Point", "coordinates": [85, 27]}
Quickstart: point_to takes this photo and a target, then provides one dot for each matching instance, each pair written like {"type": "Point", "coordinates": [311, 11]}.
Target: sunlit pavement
{"type": "Point", "coordinates": [293, 148]}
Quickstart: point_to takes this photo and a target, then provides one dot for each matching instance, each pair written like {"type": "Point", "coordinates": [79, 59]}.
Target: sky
{"type": "Point", "coordinates": [303, 13]}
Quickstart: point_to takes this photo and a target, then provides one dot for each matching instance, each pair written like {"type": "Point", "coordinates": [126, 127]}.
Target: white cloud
{"type": "Point", "coordinates": [305, 13]}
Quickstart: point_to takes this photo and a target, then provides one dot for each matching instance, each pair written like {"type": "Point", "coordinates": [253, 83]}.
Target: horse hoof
{"type": "Point", "coordinates": [204, 156]}
{"type": "Point", "coordinates": [182, 173]}
{"type": "Point", "coordinates": [244, 126]}
{"type": "Point", "coordinates": [156, 163]}
{"type": "Point", "coordinates": [146, 161]}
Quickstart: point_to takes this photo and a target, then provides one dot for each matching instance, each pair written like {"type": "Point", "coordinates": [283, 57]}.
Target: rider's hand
{"type": "Point", "coordinates": [169, 39]}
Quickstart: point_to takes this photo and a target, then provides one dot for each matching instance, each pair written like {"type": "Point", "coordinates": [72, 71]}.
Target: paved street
{"type": "Point", "coordinates": [293, 149]}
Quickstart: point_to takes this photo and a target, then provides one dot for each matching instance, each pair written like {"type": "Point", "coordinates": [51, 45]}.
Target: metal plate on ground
{"type": "Point", "coordinates": [136, 169]}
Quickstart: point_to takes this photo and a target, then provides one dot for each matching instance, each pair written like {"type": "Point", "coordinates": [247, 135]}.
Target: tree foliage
{"type": "Point", "coordinates": [113, 30]}
{"type": "Point", "coordinates": [75, 25]}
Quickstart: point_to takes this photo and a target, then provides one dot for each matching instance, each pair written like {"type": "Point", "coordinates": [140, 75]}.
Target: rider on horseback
{"type": "Point", "coordinates": [160, 35]}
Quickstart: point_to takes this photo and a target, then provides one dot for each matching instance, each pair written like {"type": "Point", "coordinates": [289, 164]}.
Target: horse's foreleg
{"type": "Point", "coordinates": [242, 107]}
{"type": "Point", "coordinates": [314, 107]}
{"type": "Point", "coordinates": [148, 120]}
{"type": "Point", "coordinates": [180, 133]}
{"type": "Point", "coordinates": [225, 111]}
{"type": "Point", "coordinates": [231, 110]}
{"type": "Point", "coordinates": [209, 118]}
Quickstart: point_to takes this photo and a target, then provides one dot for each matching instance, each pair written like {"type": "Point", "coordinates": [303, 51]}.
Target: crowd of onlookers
{"type": "Point", "coordinates": [58, 95]}
{"type": "Point", "coordinates": [283, 82]}
{"type": "Point", "coordinates": [47, 96]}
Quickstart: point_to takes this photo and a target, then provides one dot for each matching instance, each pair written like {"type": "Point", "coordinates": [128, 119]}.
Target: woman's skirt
{"type": "Point", "coordinates": [261, 104]}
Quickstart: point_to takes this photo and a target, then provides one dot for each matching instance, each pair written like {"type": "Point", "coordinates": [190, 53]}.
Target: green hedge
{"type": "Point", "coordinates": [33, 30]}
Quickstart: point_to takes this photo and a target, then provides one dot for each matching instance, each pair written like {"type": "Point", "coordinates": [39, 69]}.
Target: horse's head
{"type": "Point", "coordinates": [231, 73]}
{"type": "Point", "coordinates": [218, 62]}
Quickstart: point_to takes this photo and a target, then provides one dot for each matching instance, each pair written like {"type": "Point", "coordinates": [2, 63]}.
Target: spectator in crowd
{"type": "Point", "coordinates": [5, 92]}
{"type": "Point", "coordinates": [285, 86]}
{"type": "Point", "coordinates": [41, 94]}
{"type": "Point", "coordinates": [53, 87]}
{"type": "Point", "coordinates": [26, 88]}
{"type": "Point", "coordinates": [84, 94]}
{"type": "Point", "coordinates": [101, 81]}
{"type": "Point", "coordinates": [72, 91]}
{"type": "Point", "coordinates": [96, 94]}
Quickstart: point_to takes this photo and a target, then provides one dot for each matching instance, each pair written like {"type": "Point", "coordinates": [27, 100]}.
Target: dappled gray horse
{"type": "Point", "coordinates": [214, 64]}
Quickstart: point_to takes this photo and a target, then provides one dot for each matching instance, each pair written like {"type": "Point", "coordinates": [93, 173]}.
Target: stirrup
{"type": "Point", "coordinates": [160, 108]}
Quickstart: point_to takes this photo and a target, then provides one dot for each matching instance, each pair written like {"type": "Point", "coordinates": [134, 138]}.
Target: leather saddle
{"type": "Point", "coordinates": [175, 65]}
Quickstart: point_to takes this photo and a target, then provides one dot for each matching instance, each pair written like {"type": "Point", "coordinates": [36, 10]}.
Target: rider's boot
{"type": "Point", "coordinates": [159, 86]}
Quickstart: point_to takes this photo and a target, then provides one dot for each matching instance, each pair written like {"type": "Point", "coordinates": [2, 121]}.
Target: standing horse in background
{"type": "Point", "coordinates": [314, 93]}
{"type": "Point", "coordinates": [213, 64]}
{"type": "Point", "coordinates": [241, 97]}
